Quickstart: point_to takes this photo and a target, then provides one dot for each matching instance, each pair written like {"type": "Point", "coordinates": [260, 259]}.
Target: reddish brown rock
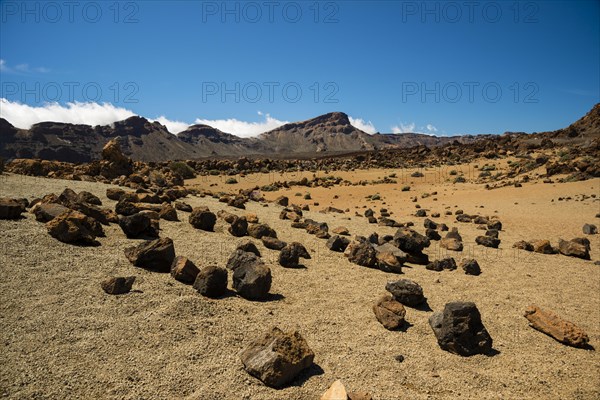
{"type": "Point", "coordinates": [118, 285]}
{"type": "Point", "coordinates": [543, 246]}
{"type": "Point", "coordinates": [75, 228]}
{"type": "Point", "coordinates": [389, 312]}
{"type": "Point", "coordinates": [184, 270]}
{"type": "Point", "coordinates": [551, 324]}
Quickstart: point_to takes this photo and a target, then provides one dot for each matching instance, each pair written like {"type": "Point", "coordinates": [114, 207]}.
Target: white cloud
{"type": "Point", "coordinates": [21, 68]}
{"type": "Point", "coordinates": [401, 128]}
{"type": "Point", "coordinates": [23, 116]}
{"type": "Point", "coordinates": [428, 129]}
{"type": "Point", "coordinates": [243, 128]}
{"type": "Point", "coordinates": [172, 126]}
{"type": "Point", "coordinates": [363, 125]}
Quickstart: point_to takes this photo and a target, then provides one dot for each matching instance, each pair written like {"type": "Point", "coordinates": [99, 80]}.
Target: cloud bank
{"type": "Point", "coordinates": [412, 128]}
{"type": "Point", "coordinates": [23, 116]}
{"type": "Point", "coordinates": [243, 128]}
{"type": "Point", "coordinates": [363, 125]}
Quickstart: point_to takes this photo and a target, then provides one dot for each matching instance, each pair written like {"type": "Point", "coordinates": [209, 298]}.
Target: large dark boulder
{"type": "Point", "coordinates": [156, 255]}
{"type": "Point", "coordinates": [202, 218]}
{"type": "Point", "coordinates": [459, 329]}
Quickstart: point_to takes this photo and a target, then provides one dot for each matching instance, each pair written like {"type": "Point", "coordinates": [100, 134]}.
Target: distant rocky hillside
{"type": "Point", "coordinates": [328, 134]}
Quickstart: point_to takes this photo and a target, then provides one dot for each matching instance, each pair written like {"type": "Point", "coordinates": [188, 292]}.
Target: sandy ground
{"type": "Point", "coordinates": [63, 337]}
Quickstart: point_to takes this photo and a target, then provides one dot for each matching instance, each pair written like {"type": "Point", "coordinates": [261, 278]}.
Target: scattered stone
{"type": "Point", "coordinates": [341, 230]}
{"type": "Point", "coordinates": [432, 234]}
{"type": "Point", "coordinates": [543, 246]}
{"type": "Point", "coordinates": [488, 241]}
{"type": "Point", "coordinates": [290, 254]}
{"type": "Point", "coordinates": [410, 241]}
{"type": "Point", "coordinates": [87, 197]}
{"type": "Point", "coordinates": [282, 201]}
{"type": "Point", "coordinates": [440, 265]}
{"type": "Point", "coordinates": [464, 218]}
{"type": "Point", "coordinates": [114, 193]}
{"type": "Point", "coordinates": [10, 209]}
{"type": "Point", "coordinates": [259, 230]}
{"type": "Point", "coordinates": [459, 329]}
{"type": "Point", "coordinates": [118, 285]}
{"type": "Point", "coordinates": [361, 253]}
{"type": "Point", "coordinates": [336, 391]}
{"type": "Point", "coordinates": [45, 212]}
{"type": "Point", "coordinates": [407, 292]}
{"type": "Point", "coordinates": [337, 243]}
{"type": "Point", "coordinates": [573, 249]}
{"type": "Point", "coordinates": [252, 280]}
{"type": "Point", "coordinates": [494, 224]}
{"type": "Point", "coordinates": [238, 227]}
{"type": "Point", "coordinates": [551, 324]}
{"type": "Point", "coordinates": [452, 241]}
{"type": "Point", "coordinates": [492, 233]}
{"type": "Point", "coordinates": [242, 257]}
{"type": "Point", "coordinates": [211, 281]}
{"type": "Point", "coordinates": [523, 245]}
{"type": "Point", "coordinates": [249, 247]}
{"type": "Point", "coordinates": [168, 213]}
{"type": "Point", "coordinates": [389, 312]}
{"type": "Point", "coordinates": [75, 228]}
{"type": "Point", "coordinates": [388, 262]}
{"type": "Point", "coordinates": [421, 213]}
{"type": "Point", "coordinates": [273, 243]}
{"type": "Point", "coordinates": [590, 229]}
{"type": "Point", "coordinates": [138, 226]}
{"type": "Point", "coordinates": [156, 255]}
{"type": "Point", "coordinates": [227, 216]}
{"type": "Point", "coordinates": [181, 206]}
{"type": "Point", "coordinates": [252, 218]}
{"type": "Point", "coordinates": [202, 218]}
{"type": "Point", "coordinates": [184, 270]}
{"type": "Point", "coordinates": [429, 224]}
{"type": "Point", "coordinates": [470, 266]}
{"type": "Point", "coordinates": [277, 357]}
{"type": "Point", "coordinates": [479, 220]}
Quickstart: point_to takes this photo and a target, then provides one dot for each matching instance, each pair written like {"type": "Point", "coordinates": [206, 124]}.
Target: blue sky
{"type": "Point", "coordinates": [436, 67]}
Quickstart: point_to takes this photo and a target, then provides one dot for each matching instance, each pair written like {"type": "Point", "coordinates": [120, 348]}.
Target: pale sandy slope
{"type": "Point", "coordinates": [62, 337]}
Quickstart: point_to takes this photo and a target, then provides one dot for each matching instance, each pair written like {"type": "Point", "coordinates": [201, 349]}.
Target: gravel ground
{"type": "Point", "coordinates": [63, 337]}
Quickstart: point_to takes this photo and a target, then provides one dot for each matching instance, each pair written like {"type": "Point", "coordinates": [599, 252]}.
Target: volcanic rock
{"type": "Point", "coordinates": [156, 255]}
{"type": "Point", "coordinates": [118, 285]}
{"type": "Point", "coordinates": [211, 281]}
{"type": "Point", "coordinates": [551, 324]}
{"type": "Point", "coordinates": [407, 292]}
{"type": "Point", "coordinates": [184, 270]}
{"type": "Point", "coordinates": [202, 218]}
{"type": "Point", "coordinates": [290, 254]}
{"type": "Point", "coordinates": [459, 329]}
{"type": "Point", "coordinates": [277, 357]}
{"type": "Point", "coordinates": [389, 312]}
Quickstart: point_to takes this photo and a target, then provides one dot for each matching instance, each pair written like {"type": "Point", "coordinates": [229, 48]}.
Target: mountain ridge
{"type": "Point", "coordinates": [327, 134]}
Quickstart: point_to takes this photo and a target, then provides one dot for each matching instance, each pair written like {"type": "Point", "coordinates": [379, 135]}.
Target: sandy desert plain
{"type": "Point", "coordinates": [64, 338]}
